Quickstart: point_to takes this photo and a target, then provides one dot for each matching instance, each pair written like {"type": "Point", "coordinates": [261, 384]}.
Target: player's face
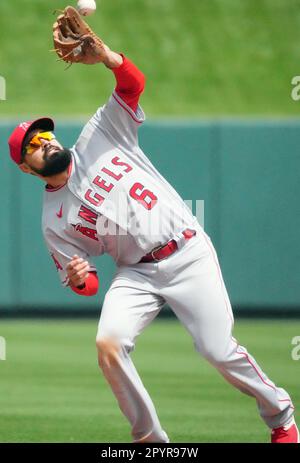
{"type": "Point", "coordinates": [49, 159]}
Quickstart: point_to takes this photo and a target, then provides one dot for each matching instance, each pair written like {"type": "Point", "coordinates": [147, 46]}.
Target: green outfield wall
{"type": "Point", "coordinates": [247, 173]}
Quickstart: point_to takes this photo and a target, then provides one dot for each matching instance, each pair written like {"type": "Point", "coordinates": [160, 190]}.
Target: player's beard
{"type": "Point", "coordinates": [55, 163]}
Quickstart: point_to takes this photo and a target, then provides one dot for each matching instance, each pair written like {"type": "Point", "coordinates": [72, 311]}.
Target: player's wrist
{"type": "Point", "coordinates": [112, 59]}
{"type": "Point", "coordinates": [77, 283]}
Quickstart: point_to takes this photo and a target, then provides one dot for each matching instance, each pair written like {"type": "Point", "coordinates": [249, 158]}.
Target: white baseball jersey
{"type": "Point", "coordinates": [115, 201]}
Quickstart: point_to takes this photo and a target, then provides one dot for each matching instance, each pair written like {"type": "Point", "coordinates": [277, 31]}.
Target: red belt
{"type": "Point", "coordinates": [165, 250]}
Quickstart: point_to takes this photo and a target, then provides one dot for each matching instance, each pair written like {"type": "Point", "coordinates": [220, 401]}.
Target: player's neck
{"type": "Point", "coordinates": [58, 180]}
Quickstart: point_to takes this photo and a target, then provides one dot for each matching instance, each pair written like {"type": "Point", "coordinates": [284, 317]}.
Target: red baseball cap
{"type": "Point", "coordinates": [16, 139]}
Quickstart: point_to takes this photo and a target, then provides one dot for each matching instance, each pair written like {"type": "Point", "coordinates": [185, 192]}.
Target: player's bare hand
{"type": "Point", "coordinates": [77, 271]}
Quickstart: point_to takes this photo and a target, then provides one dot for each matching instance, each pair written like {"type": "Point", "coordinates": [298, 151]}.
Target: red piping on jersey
{"type": "Point", "coordinates": [50, 189]}
{"type": "Point", "coordinates": [130, 83]}
{"type": "Point", "coordinates": [129, 112]}
{"type": "Point", "coordinates": [258, 373]}
{"type": "Point", "coordinates": [91, 286]}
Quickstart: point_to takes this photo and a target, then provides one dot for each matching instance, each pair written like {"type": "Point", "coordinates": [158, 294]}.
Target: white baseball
{"type": "Point", "coordinates": [86, 7]}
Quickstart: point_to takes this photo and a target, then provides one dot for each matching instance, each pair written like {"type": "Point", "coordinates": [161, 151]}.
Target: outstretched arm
{"type": "Point", "coordinates": [76, 42]}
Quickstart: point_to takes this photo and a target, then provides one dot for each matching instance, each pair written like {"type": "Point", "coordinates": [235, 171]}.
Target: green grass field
{"type": "Point", "coordinates": [51, 390]}
{"type": "Point", "coordinates": [206, 57]}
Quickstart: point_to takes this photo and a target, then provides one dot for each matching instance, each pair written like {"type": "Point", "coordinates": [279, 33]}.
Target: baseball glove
{"type": "Point", "coordinates": [74, 40]}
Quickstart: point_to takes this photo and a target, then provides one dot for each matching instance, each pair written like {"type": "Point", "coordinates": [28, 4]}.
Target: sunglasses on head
{"type": "Point", "coordinates": [36, 142]}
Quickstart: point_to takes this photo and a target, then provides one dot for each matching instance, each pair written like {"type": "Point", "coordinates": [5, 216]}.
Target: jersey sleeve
{"type": "Point", "coordinates": [119, 122]}
{"type": "Point", "coordinates": [119, 119]}
{"type": "Point", "coordinates": [61, 253]}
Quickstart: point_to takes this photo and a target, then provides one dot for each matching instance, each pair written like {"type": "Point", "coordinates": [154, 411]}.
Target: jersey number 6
{"type": "Point", "coordinates": [145, 197]}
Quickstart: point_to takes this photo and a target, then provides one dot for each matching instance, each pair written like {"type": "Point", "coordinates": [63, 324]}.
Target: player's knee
{"type": "Point", "coordinates": [111, 349]}
{"type": "Point", "coordinates": [108, 352]}
{"type": "Point", "coordinates": [217, 358]}
{"type": "Point", "coordinates": [214, 354]}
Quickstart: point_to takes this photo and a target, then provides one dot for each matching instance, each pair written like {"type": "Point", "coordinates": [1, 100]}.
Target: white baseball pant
{"type": "Point", "coordinates": [191, 283]}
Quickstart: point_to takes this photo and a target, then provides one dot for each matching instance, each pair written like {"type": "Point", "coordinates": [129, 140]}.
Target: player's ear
{"type": "Point", "coordinates": [25, 168]}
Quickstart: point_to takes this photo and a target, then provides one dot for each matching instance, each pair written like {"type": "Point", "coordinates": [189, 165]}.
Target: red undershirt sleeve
{"type": "Point", "coordinates": [130, 83]}
{"type": "Point", "coordinates": [91, 286]}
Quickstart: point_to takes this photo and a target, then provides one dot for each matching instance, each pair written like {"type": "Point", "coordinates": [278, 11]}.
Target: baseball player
{"type": "Point", "coordinates": [104, 196]}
